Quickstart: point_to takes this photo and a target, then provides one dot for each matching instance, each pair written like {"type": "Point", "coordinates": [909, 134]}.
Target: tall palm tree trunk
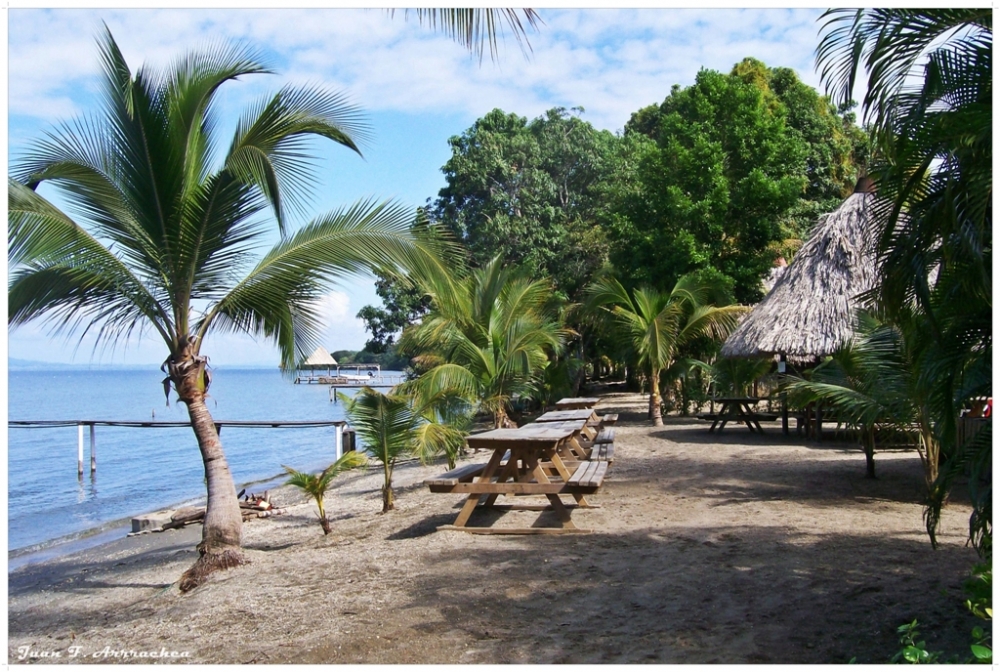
{"type": "Point", "coordinates": [222, 531]}
{"type": "Point", "coordinates": [654, 398]}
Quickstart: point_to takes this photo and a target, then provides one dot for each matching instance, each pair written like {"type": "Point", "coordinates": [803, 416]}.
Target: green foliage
{"type": "Point", "coordinates": [979, 588]}
{"type": "Point", "coordinates": [929, 104]}
{"type": "Point", "coordinates": [734, 164]}
{"type": "Point", "coordinates": [488, 337]}
{"type": "Point", "coordinates": [316, 485]}
{"type": "Point", "coordinates": [914, 650]}
{"type": "Point", "coordinates": [386, 425]}
{"type": "Point", "coordinates": [529, 193]}
{"type": "Point", "coordinates": [389, 360]}
{"type": "Point", "coordinates": [396, 425]}
{"type": "Point", "coordinates": [734, 376]}
{"type": "Point", "coordinates": [650, 326]}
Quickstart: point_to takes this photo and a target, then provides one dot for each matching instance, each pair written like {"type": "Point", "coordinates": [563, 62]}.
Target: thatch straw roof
{"type": "Point", "coordinates": [320, 359]}
{"type": "Point", "coordinates": [811, 310]}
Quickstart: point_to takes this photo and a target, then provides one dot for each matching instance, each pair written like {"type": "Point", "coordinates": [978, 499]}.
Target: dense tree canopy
{"type": "Point", "coordinates": [529, 192]}
{"type": "Point", "coordinates": [734, 165]}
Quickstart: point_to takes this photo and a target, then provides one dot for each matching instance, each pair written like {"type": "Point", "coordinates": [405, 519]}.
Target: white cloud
{"type": "Point", "coordinates": [609, 61]}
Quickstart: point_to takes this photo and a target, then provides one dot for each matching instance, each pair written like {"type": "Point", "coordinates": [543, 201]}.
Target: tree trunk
{"type": "Point", "coordinates": [325, 524]}
{"type": "Point", "coordinates": [388, 501]}
{"type": "Point", "coordinates": [222, 530]}
{"type": "Point", "coordinates": [868, 442]}
{"type": "Point", "coordinates": [654, 399]}
{"type": "Point", "coordinates": [501, 420]}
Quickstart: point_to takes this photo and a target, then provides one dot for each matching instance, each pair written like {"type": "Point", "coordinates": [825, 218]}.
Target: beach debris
{"type": "Point", "coordinates": [252, 507]}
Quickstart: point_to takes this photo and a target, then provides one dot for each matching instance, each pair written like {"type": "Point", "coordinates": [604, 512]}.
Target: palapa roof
{"type": "Point", "coordinates": [320, 359]}
{"type": "Point", "coordinates": [812, 308]}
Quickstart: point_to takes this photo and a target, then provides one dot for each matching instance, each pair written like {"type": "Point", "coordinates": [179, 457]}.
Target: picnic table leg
{"type": "Point", "coordinates": [560, 509]}
{"type": "Point", "coordinates": [510, 470]}
{"type": "Point", "coordinates": [564, 474]}
{"type": "Point", "coordinates": [473, 500]}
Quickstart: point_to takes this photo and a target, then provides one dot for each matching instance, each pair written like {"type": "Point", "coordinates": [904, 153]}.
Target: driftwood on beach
{"type": "Point", "coordinates": [251, 507]}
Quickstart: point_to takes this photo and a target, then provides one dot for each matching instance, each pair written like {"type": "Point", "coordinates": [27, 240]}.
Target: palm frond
{"type": "Point", "coordinates": [269, 149]}
{"type": "Point", "coordinates": [480, 27]}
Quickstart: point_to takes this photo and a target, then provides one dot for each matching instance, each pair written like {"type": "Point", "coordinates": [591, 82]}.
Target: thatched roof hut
{"type": "Point", "coordinates": [812, 308]}
{"type": "Point", "coordinates": [319, 359]}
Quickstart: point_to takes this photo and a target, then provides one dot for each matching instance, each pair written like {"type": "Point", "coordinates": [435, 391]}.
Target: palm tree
{"type": "Point", "coordinates": [929, 103]}
{"type": "Point", "coordinates": [316, 485]}
{"type": "Point", "coordinates": [391, 427]}
{"type": "Point", "coordinates": [653, 325]}
{"type": "Point", "coordinates": [868, 383]}
{"type": "Point", "coordinates": [487, 338]}
{"type": "Point", "coordinates": [163, 237]}
{"type": "Point", "coordinates": [476, 28]}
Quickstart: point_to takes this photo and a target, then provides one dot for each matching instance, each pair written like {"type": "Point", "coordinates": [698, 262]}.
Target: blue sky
{"type": "Point", "coordinates": [418, 88]}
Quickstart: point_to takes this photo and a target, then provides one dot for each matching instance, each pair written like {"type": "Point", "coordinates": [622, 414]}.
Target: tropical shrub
{"type": "Point", "coordinates": [316, 485]}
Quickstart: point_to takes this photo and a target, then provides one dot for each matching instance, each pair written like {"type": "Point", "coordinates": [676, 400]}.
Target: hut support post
{"type": "Point", "coordinates": [79, 451]}
{"type": "Point", "coordinates": [340, 441]}
{"type": "Point", "coordinates": [93, 449]}
{"type": "Point", "coordinates": [784, 398]}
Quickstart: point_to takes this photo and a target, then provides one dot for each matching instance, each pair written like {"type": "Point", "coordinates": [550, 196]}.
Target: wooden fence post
{"type": "Point", "coordinates": [93, 449]}
{"type": "Point", "coordinates": [79, 451]}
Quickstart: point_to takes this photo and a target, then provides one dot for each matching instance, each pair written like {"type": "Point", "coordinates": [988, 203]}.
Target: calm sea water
{"type": "Point", "coordinates": [144, 469]}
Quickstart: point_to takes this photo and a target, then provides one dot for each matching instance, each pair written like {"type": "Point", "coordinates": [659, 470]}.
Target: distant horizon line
{"type": "Point", "coordinates": [15, 362]}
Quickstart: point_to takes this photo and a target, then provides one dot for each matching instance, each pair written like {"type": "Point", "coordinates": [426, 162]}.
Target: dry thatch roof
{"type": "Point", "coordinates": [320, 359]}
{"type": "Point", "coordinates": [811, 310]}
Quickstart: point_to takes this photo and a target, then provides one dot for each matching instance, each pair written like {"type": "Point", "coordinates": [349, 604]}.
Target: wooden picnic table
{"type": "Point", "coordinates": [576, 447]}
{"type": "Point", "coordinates": [739, 409]}
{"type": "Point", "coordinates": [574, 403]}
{"type": "Point", "coordinates": [533, 466]}
{"type": "Point", "coordinates": [587, 415]}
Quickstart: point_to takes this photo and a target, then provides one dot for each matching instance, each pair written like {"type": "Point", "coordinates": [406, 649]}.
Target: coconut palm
{"type": "Point", "coordinates": [868, 383]}
{"type": "Point", "coordinates": [653, 325]}
{"type": "Point", "coordinates": [160, 236]}
{"type": "Point", "coordinates": [316, 485]}
{"type": "Point", "coordinates": [929, 102]}
{"type": "Point", "coordinates": [391, 427]}
{"type": "Point", "coordinates": [487, 337]}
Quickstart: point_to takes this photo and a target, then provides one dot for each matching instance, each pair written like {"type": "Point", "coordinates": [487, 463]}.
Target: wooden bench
{"type": "Point", "coordinates": [603, 452]}
{"type": "Point", "coordinates": [588, 476]}
{"type": "Point", "coordinates": [606, 435]}
{"type": "Point", "coordinates": [609, 419]}
{"type": "Point", "coordinates": [446, 481]}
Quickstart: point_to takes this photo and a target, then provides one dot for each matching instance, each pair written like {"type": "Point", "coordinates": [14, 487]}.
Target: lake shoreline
{"type": "Point", "coordinates": [706, 548]}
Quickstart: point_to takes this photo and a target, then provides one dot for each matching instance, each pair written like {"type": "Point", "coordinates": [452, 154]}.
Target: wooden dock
{"type": "Point", "coordinates": [340, 425]}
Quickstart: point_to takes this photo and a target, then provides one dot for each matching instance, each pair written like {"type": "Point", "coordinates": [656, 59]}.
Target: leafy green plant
{"type": "Point", "coordinates": [488, 337]}
{"type": "Point", "coordinates": [914, 650]}
{"type": "Point", "coordinates": [979, 588]}
{"type": "Point", "coordinates": [653, 325]}
{"type": "Point", "coordinates": [393, 426]}
{"type": "Point", "coordinates": [316, 485]}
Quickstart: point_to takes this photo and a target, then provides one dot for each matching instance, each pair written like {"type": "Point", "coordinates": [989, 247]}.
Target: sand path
{"type": "Point", "coordinates": [707, 548]}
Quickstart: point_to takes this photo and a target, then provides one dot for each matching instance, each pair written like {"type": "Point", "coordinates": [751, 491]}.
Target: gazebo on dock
{"type": "Point", "coordinates": [320, 359]}
{"type": "Point", "coordinates": [812, 309]}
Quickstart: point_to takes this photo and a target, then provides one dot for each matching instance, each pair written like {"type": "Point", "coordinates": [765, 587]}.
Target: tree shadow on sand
{"type": "Point", "coordinates": [651, 596]}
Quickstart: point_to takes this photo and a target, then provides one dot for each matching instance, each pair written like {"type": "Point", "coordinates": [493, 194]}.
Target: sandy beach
{"type": "Point", "coordinates": [707, 548]}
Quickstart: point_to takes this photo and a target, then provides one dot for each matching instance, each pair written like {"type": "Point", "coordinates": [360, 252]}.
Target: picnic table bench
{"type": "Point", "coordinates": [525, 461]}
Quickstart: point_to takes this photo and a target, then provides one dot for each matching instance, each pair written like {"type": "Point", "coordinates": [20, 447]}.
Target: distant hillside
{"type": "Point", "coordinates": [14, 364]}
